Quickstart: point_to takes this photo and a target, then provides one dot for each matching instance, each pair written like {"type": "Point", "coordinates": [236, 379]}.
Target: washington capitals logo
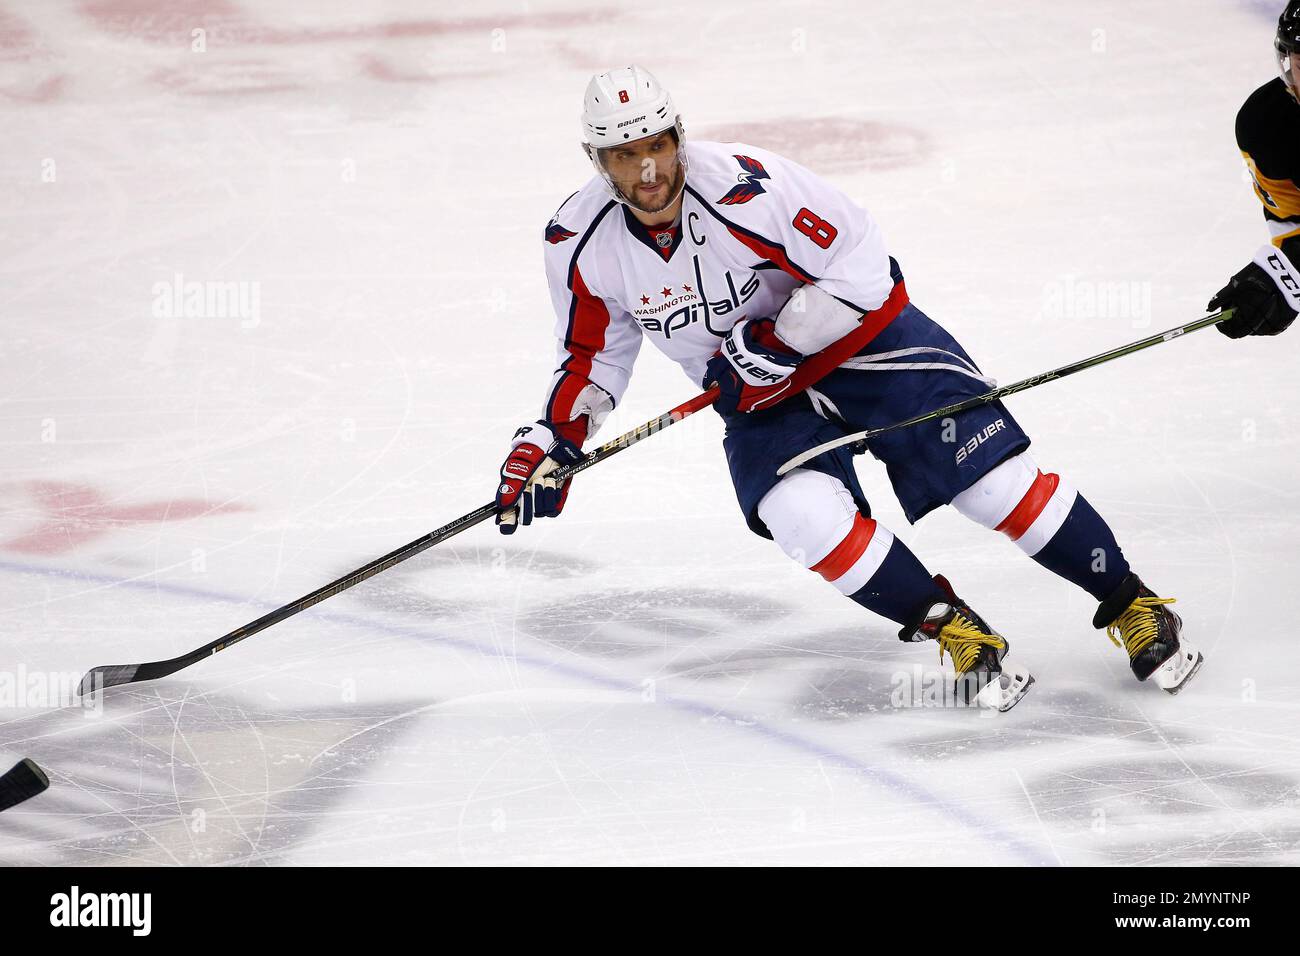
{"type": "Point", "coordinates": [555, 233]}
{"type": "Point", "coordinates": [749, 185]}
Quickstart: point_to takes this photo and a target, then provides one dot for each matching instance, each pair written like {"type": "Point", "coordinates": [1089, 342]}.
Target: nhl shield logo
{"type": "Point", "coordinates": [664, 239]}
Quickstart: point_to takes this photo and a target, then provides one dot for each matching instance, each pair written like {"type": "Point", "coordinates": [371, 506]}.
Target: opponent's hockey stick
{"type": "Point", "coordinates": [111, 675]}
{"type": "Point", "coordinates": [23, 782]}
{"type": "Point", "coordinates": [999, 393]}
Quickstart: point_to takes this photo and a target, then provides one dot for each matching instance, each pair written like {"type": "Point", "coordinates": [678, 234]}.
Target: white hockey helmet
{"type": "Point", "coordinates": [624, 105]}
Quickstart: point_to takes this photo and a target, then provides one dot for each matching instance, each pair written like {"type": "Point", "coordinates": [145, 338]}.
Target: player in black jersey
{"type": "Point", "coordinates": [1265, 295]}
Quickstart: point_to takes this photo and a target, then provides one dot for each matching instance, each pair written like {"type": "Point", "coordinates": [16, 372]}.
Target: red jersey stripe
{"type": "Point", "coordinates": [816, 367]}
{"type": "Point", "coordinates": [584, 339]}
{"type": "Point", "coordinates": [561, 406]}
{"type": "Point", "coordinates": [771, 252]}
{"type": "Point", "coordinates": [588, 320]}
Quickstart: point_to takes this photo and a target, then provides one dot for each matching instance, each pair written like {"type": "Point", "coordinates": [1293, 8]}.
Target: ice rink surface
{"type": "Point", "coordinates": [642, 681]}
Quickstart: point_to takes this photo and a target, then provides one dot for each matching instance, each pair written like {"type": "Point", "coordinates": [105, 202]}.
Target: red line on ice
{"type": "Point", "coordinates": [75, 514]}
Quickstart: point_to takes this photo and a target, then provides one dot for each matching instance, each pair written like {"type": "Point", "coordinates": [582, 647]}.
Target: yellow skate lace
{"type": "Point", "coordinates": [1138, 625]}
{"type": "Point", "coordinates": [963, 640]}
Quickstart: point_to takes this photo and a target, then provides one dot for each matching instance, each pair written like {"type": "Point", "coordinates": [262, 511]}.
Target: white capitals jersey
{"type": "Point", "coordinates": [754, 226]}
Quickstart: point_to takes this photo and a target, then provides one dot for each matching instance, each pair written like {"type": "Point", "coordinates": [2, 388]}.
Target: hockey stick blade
{"type": "Point", "coordinates": [101, 678]}
{"type": "Point", "coordinates": [23, 782]}
{"type": "Point", "coordinates": [113, 675]}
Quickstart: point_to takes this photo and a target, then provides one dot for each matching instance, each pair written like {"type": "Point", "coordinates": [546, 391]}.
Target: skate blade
{"type": "Point", "coordinates": [1005, 692]}
{"type": "Point", "coordinates": [1173, 675]}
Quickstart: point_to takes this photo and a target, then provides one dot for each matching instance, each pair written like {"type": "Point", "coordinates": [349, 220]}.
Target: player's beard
{"type": "Point", "coordinates": [670, 194]}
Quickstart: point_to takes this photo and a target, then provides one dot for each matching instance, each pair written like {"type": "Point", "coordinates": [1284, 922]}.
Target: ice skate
{"type": "Point", "coordinates": [1151, 634]}
{"type": "Point", "coordinates": [977, 652]}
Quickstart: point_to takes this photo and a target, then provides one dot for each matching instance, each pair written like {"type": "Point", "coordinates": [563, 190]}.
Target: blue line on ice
{"type": "Point", "coordinates": [895, 781]}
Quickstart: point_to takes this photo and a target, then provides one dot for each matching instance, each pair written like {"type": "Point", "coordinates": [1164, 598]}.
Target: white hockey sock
{"type": "Point", "coordinates": [1017, 499]}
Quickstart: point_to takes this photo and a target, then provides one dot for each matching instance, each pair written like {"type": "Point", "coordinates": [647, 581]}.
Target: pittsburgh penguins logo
{"type": "Point", "coordinates": [1263, 193]}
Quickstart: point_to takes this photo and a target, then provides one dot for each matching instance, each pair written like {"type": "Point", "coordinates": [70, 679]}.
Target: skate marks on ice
{"type": "Point", "coordinates": [179, 773]}
{"type": "Point", "coordinates": [171, 777]}
{"type": "Point", "coordinates": [642, 623]}
{"type": "Point", "coordinates": [1154, 809]}
{"type": "Point", "coordinates": [1106, 780]}
{"type": "Point", "coordinates": [686, 632]}
{"type": "Point", "coordinates": [1110, 780]}
{"type": "Point", "coordinates": [574, 616]}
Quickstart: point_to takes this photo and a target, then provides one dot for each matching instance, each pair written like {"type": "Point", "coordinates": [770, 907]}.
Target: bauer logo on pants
{"type": "Point", "coordinates": [989, 431]}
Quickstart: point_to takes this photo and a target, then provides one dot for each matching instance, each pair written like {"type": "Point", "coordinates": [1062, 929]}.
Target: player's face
{"type": "Point", "coordinates": [1290, 68]}
{"type": "Point", "coordinates": [645, 171]}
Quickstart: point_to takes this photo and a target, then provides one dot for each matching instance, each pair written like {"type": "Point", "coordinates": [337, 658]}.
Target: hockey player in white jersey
{"type": "Point", "coordinates": [759, 277]}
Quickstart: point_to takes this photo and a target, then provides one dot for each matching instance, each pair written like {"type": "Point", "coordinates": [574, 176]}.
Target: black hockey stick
{"type": "Point", "coordinates": [999, 393]}
{"type": "Point", "coordinates": [111, 675]}
{"type": "Point", "coordinates": [23, 782]}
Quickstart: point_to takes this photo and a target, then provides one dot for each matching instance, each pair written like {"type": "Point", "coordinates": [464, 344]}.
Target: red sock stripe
{"type": "Point", "coordinates": [1030, 507]}
{"type": "Point", "coordinates": [847, 552]}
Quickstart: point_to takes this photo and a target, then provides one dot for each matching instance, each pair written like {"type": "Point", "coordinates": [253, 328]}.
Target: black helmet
{"type": "Point", "coordinates": [1287, 41]}
{"type": "Point", "coordinates": [1288, 28]}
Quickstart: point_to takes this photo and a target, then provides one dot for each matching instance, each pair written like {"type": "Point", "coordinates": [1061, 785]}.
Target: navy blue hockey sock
{"type": "Point", "coordinates": [1052, 523]}
{"type": "Point", "coordinates": [900, 585]}
{"type": "Point", "coordinates": [1084, 552]}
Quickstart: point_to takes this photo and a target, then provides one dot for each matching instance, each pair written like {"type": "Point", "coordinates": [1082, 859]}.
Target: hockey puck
{"type": "Point", "coordinates": [21, 783]}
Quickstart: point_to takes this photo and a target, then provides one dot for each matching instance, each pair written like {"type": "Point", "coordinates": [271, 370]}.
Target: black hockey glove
{"type": "Point", "coordinates": [1260, 305]}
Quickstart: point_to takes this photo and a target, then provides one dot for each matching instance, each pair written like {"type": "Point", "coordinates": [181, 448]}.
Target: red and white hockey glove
{"type": "Point", "coordinates": [752, 368]}
{"type": "Point", "coordinates": [525, 491]}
